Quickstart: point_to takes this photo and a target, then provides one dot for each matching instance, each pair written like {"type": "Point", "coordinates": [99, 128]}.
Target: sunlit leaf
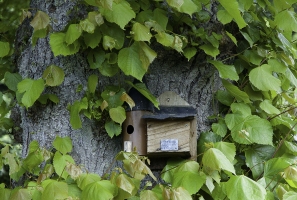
{"type": "Point", "coordinates": [113, 129]}
{"type": "Point", "coordinates": [60, 162]}
{"type": "Point", "coordinates": [117, 114]}
{"type": "Point", "coordinates": [227, 148]}
{"type": "Point", "coordinates": [141, 32]}
{"type": "Point", "coordinates": [275, 165]}
{"type": "Point", "coordinates": [87, 26]}
{"type": "Point", "coordinates": [103, 189]}
{"type": "Point", "coordinates": [64, 145]}
{"type": "Point", "coordinates": [40, 21]}
{"type": "Point", "coordinates": [32, 89]}
{"type": "Point", "coordinates": [55, 190]}
{"type": "Point", "coordinates": [236, 92]}
{"type": "Point", "coordinates": [60, 47]}
{"type": "Point", "coordinates": [53, 75]}
{"type": "Point", "coordinates": [73, 33]}
{"type": "Point", "coordinates": [85, 179]}
{"type": "Point", "coordinates": [290, 24]}
{"type": "Point", "coordinates": [224, 16]}
{"type": "Point", "coordinates": [75, 109]}
{"type": "Point", "coordinates": [267, 106]}
{"type": "Point", "coordinates": [225, 71]}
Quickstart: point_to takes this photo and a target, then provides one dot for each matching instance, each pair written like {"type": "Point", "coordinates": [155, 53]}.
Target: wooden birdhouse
{"type": "Point", "coordinates": [171, 130]}
{"type": "Point", "coordinates": [134, 127]}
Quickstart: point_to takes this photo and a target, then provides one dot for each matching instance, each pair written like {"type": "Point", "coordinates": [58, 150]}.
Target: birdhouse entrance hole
{"type": "Point", "coordinates": [130, 129]}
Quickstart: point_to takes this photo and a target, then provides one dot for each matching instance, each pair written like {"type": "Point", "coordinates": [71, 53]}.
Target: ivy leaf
{"type": "Point", "coordinates": [228, 149]}
{"type": "Point", "coordinates": [210, 50]}
{"type": "Point", "coordinates": [232, 37]}
{"type": "Point", "coordinates": [125, 97]}
{"type": "Point", "coordinates": [232, 8]}
{"type": "Point", "coordinates": [32, 160]}
{"type": "Point", "coordinates": [85, 179]}
{"type": "Point", "coordinates": [53, 75]}
{"type": "Point", "coordinates": [75, 109]}
{"type": "Point", "coordinates": [262, 78]}
{"type": "Point", "coordinates": [189, 52]}
{"type": "Point", "coordinates": [188, 7]}
{"type": "Point", "coordinates": [40, 21]}
{"type": "Point", "coordinates": [20, 194]}
{"type": "Point", "coordinates": [32, 89]}
{"type": "Point", "coordinates": [141, 32]}
{"type": "Point", "coordinates": [95, 58]}
{"type": "Point", "coordinates": [112, 95]}
{"type": "Point", "coordinates": [60, 162]}
{"type": "Point", "coordinates": [288, 25]}
{"type": "Point", "coordinates": [73, 33]}
{"type": "Point", "coordinates": [96, 18]}
{"type": "Point", "coordinates": [92, 83]}
{"type": "Point", "coordinates": [11, 80]}
{"type": "Point", "coordinates": [117, 114]}
{"type": "Point", "coordinates": [125, 183]}
{"type": "Point", "coordinates": [113, 129]}
{"type": "Point", "coordinates": [237, 93]}
{"type": "Point", "coordinates": [224, 17]}
{"type": "Point", "coordinates": [64, 145]}
{"type": "Point", "coordinates": [44, 97]}
{"type": "Point", "coordinates": [93, 39]}
{"type": "Point", "coordinates": [219, 128]}
{"type": "Point", "coordinates": [120, 14]}
{"type": "Point", "coordinates": [267, 106]}
{"type": "Point", "coordinates": [130, 63]}
{"type": "Point", "coordinates": [225, 71]}
{"type": "Point", "coordinates": [240, 108]}
{"type": "Point", "coordinates": [60, 47]}
{"type": "Point", "coordinates": [290, 195]}
{"type": "Point", "coordinates": [186, 179]}
{"type": "Point", "coordinates": [244, 188]}
{"type": "Point", "coordinates": [148, 195]}
{"type": "Point", "coordinates": [253, 129]}
{"type": "Point", "coordinates": [256, 156]}
{"type": "Point", "coordinates": [4, 49]}
{"type": "Point", "coordinates": [175, 3]}
{"type": "Point", "coordinates": [55, 190]}
{"type": "Point", "coordinates": [103, 189]}
{"type": "Point", "coordinates": [140, 87]}
{"type": "Point", "coordinates": [214, 159]}
{"type": "Point", "coordinates": [275, 165]}
{"type": "Point", "coordinates": [165, 39]}
{"type": "Point", "coordinates": [146, 54]}
{"type": "Point", "coordinates": [87, 26]}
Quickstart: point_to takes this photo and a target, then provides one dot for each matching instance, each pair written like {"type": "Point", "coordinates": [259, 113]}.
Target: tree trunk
{"type": "Point", "coordinates": [195, 81]}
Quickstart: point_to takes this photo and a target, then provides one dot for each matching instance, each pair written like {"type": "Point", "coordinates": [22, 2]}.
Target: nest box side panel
{"type": "Point", "coordinates": [158, 130]}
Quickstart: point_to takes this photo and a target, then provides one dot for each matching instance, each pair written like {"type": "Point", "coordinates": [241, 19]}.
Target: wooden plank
{"type": "Point", "coordinates": [157, 130]}
{"type": "Point", "coordinates": [193, 139]}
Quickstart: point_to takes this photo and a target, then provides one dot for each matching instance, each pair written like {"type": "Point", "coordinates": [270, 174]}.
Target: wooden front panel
{"type": "Point", "coordinates": [175, 129]}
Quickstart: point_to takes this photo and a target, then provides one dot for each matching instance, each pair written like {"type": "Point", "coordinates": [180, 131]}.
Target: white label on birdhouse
{"type": "Point", "coordinates": [128, 146]}
{"type": "Point", "coordinates": [169, 144]}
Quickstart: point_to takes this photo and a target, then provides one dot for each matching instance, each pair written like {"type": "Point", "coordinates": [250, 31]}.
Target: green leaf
{"type": "Point", "coordinates": [55, 190]}
{"type": "Point", "coordinates": [225, 71]}
{"type": "Point", "coordinates": [75, 109]}
{"type": "Point", "coordinates": [262, 78]}
{"type": "Point", "coordinates": [210, 50]}
{"type": "Point", "coordinates": [130, 63]}
{"type": "Point", "coordinates": [148, 195]}
{"type": "Point", "coordinates": [60, 47]}
{"type": "Point", "coordinates": [96, 18]}
{"type": "Point", "coordinates": [237, 93]}
{"type": "Point", "coordinates": [109, 70]}
{"type": "Point", "coordinates": [189, 52]}
{"type": "Point", "coordinates": [267, 106]}
{"type": "Point", "coordinates": [146, 54]}
{"type": "Point", "coordinates": [290, 195]}
{"type": "Point", "coordinates": [11, 80]}
{"type": "Point", "coordinates": [117, 114]}
{"type": "Point", "coordinates": [92, 83]}
{"type": "Point", "coordinates": [141, 32]}
{"type": "Point", "coordinates": [140, 87]}
{"type": "Point", "coordinates": [224, 97]}
{"type": "Point", "coordinates": [115, 32]}
{"type": "Point", "coordinates": [214, 159]}
{"type": "Point", "coordinates": [288, 25]}
{"type": "Point", "coordinates": [20, 194]}
{"type": "Point", "coordinates": [64, 145]}
{"type": "Point", "coordinates": [53, 75]}
{"type": "Point", "coordinates": [40, 21]}
{"type": "Point", "coordinates": [240, 108]}
{"type": "Point", "coordinates": [93, 39]}
{"type": "Point", "coordinates": [95, 58]}
{"type": "Point", "coordinates": [253, 129]}
{"type": "Point", "coordinates": [113, 129]}
{"type": "Point", "coordinates": [125, 183]}
{"type": "Point", "coordinates": [275, 165]}
{"type": "Point", "coordinates": [232, 8]}
{"type": "Point", "coordinates": [32, 89]}
{"type": "Point", "coordinates": [60, 162]}
{"type": "Point", "coordinates": [87, 26]}
{"type": "Point", "coordinates": [175, 3]}
{"type": "Point", "coordinates": [86, 179]}
{"type": "Point", "coordinates": [4, 49]}
{"type": "Point", "coordinates": [186, 179]}
{"type": "Point", "coordinates": [224, 17]}
{"type": "Point", "coordinates": [120, 14]}
{"type": "Point", "coordinates": [188, 7]}
{"type": "Point", "coordinates": [232, 37]}
{"type": "Point", "coordinates": [73, 33]}
{"type": "Point", "coordinates": [244, 188]}
{"type": "Point", "coordinates": [103, 189]}
{"type": "Point", "coordinates": [5, 193]}
{"type": "Point", "coordinates": [228, 149]}
{"type": "Point", "coordinates": [112, 95]}
{"type": "Point", "coordinates": [32, 160]}
{"type": "Point", "coordinates": [44, 97]}
{"type": "Point", "coordinates": [256, 156]}
{"type": "Point", "coordinates": [125, 97]}
{"type": "Point", "coordinates": [219, 128]}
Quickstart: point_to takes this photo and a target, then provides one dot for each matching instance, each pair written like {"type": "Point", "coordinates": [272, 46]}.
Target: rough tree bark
{"type": "Point", "coordinates": [195, 81]}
